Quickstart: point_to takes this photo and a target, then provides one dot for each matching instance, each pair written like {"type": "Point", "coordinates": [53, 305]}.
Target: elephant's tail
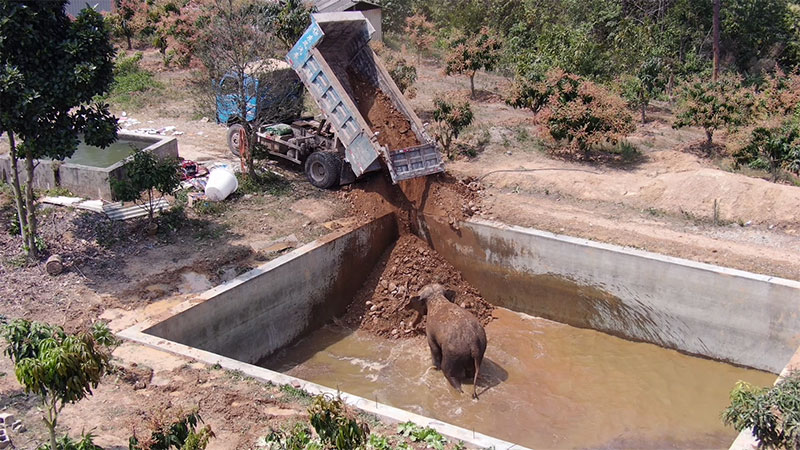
{"type": "Point", "coordinates": [477, 359]}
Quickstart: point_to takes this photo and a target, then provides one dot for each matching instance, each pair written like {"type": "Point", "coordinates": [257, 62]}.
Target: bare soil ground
{"type": "Point", "coordinates": [661, 200]}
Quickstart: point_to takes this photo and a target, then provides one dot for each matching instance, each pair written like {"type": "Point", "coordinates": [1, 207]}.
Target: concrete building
{"type": "Point", "coordinates": [370, 10]}
{"type": "Point", "coordinates": [74, 7]}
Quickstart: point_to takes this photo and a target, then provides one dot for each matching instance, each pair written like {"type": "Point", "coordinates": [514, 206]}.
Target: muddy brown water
{"type": "Point", "coordinates": [543, 385]}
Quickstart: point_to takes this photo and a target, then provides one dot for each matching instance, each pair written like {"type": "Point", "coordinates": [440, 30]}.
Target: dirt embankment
{"type": "Point", "coordinates": [379, 306]}
{"type": "Point", "coordinates": [390, 125]}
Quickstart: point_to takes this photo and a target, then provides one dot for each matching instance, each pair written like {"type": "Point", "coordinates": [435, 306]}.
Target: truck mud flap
{"type": "Point", "coordinates": [415, 162]}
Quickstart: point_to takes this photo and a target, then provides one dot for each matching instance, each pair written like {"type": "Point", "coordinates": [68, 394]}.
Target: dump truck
{"type": "Point", "coordinates": [367, 124]}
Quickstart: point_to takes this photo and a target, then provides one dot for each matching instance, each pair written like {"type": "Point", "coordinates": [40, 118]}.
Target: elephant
{"type": "Point", "coordinates": [456, 338]}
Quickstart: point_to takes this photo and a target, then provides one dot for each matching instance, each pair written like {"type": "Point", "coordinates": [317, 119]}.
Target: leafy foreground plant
{"type": "Point", "coordinates": [182, 434]}
{"type": "Point", "coordinates": [432, 438]}
{"type": "Point", "coordinates": [773, 413]}
{"type": "Point", "coordinates": [336, 427]}
{"type": "Point", "coordinates": [66, 443]}
{"type": "Point", "coordinates": [60, 368]}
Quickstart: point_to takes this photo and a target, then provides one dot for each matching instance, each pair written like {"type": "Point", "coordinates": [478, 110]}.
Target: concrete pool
{"type": "Point", "coordinates": [89, 171]}
{"type": "Point", "coordinates": [682, 306]}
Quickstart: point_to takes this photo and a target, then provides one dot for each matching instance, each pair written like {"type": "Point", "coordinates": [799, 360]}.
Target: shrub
{"type": "Point", "coordinates": [584, 113]}
{"type": "Point", "coordinates": [66, 443]}
{"type": "Point", "coordinates": [781, 93]}
{"type": "Point", "coordinates": [772, 148]}
{"type": "Point", "coordinates": [131, 81]}
{"type": "Point", "coordinates": [147, 174]}
{"type": "Point", "coordinates": [449, 120]}
{"type": "Point", "coordinates": [714, 105]}
{"type": "Point", "coordinates": [403, 74]}
{"type": "Point", "coordinates": [335, 425]}
{"type": "Point", "coordinates": [773, 413]}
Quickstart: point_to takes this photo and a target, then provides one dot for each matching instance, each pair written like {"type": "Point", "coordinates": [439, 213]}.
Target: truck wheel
{"type": "Point", "coordinates": [233, 138]}
{"type": "Point", "coordinates": [323, 169]}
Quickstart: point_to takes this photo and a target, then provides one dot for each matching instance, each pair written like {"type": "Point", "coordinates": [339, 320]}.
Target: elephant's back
{"type": "Point", "coordinates": [456, 329]}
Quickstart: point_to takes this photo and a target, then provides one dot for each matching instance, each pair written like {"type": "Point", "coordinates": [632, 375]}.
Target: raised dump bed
{"type": "Point", "coordinates": [632, 393]}
{"type": "Point", "coordinates": [351, 86]}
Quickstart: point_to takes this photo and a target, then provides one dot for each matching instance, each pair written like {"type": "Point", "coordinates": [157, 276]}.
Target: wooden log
{"type": "Point", "coordinates": [54, 266]}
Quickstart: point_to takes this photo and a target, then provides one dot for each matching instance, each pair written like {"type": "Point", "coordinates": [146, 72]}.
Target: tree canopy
{"type": "Point", "coordinates": [51, 69]}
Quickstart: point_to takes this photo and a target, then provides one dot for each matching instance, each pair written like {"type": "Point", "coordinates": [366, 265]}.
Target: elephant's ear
{"type": "Point", "coordinates": [450, 295]}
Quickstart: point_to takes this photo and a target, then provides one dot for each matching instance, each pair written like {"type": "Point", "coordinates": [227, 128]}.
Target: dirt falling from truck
{"type": "Point", "coordinates": [391, 126]}
{"type": "Point", "coordinates": [410, 264]}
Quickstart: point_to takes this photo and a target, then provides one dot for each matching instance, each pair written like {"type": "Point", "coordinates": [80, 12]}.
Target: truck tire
{"type": "Point", "coordinates": [233, 138]}
{"type": "Point", "coordinates": [323, 169]}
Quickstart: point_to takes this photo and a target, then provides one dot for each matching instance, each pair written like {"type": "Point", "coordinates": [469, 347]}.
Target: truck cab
{"type": "Point", "coordinates": [274, 94]}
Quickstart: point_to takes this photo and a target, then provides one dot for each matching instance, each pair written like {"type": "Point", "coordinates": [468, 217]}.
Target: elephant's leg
{"type": "Point", "coordinates": [436, 352]}
{"type": "Point", "coordinates": [449, 370]}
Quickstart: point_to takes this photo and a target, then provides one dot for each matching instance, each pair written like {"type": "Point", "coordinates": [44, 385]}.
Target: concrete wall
{"type": "Point", "coordinates": [375, 18]}
{"type": "Point", "coordinates": [87, 181]}
{"type": "Point", "coordinates": [277, 303]}
{"type": "Point", "coordinates": [743, 318]}
{"type": "Point", "coordinates": [44, 176]}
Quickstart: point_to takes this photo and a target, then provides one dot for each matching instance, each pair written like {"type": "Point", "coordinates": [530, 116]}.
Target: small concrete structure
{"type": "Point", "coordinates": [711, 311]}
{"type": "Point", "coordinates": [87, 181]}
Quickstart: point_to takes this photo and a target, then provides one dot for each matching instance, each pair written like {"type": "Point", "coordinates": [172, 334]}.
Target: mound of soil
{"type": "Point", "coordinates": [379, 307]}
{"type": "Point", "coordinates": [391, 126]}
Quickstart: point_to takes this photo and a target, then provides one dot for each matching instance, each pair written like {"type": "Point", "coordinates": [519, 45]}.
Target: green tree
{"type": "Point", "coordinates": [145, 176]}
{"type": "Point", "coordinates": [60, 368]}
{"type": "Point", "coordinates": [394, 13]}
{"type": "Point", "coordinates": [641, 88]}
{"type": "Point", "coordinates": [237, 44]}
{"type": "Point", "coordinates": [449, 121]}
{"type": "Point", "coordinates": [50, 70]}
{"type": "Point", "coordinates": [714, 105]}
{"type": "Point", "coordinates": [288, 19]}
{"type": "Point", "coordinates": [755, 32]}
{"type": "Point", "coordinates": [470, 54]}
{"type": "Point", "coordinates": [772, 414]}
